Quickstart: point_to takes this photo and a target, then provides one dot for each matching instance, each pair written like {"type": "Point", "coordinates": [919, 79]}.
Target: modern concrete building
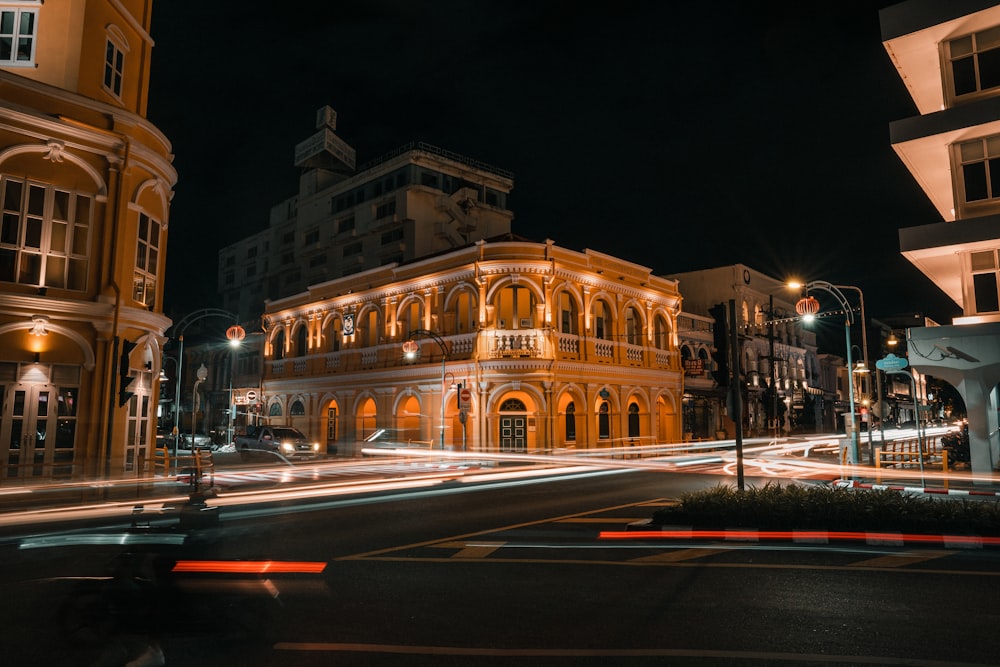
{"type": "Point", "coordinates": [948, 57]}
{"type": "Point", "coordinates": [550, 348]}
{"type": "Point", "coordinates": [85, 185]}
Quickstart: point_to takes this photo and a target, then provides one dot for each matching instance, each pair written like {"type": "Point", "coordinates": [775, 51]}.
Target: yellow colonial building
{"type": "Point", "coordinates": [85, 186]}
{"type": "Point", "coordinates": [518, 346]}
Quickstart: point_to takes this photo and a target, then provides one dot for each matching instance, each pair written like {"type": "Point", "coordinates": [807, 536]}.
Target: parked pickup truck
{"type": "Point", "coordinates": [283, 440]}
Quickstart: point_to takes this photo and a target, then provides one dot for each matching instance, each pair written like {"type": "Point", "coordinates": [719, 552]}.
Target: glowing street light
{"type": "Point", "coordinates": [807, 303]}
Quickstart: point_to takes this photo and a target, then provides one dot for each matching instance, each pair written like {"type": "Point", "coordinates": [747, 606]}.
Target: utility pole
{"type": "Point", "coordinates": [736, 391]}
{"type": "Point", "coordinates": [774, 368]}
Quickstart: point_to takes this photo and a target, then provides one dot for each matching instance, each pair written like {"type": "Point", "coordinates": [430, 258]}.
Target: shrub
{"type": "Point", "coordinates": [773, 507]}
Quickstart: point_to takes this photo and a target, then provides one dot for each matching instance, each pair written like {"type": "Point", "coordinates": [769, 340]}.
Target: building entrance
{"type": "Point", "coordinates": [27, 446]}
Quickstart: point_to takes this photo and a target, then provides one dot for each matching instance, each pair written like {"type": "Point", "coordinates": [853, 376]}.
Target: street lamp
{"type": "Point", "coordinates": [835, 291]}
{"type": "Point", "coordinates": [410, 349]}
{"type": "Point", "coordinates": [235, 334]}
{"type": "Point", "coordinates": [202, 375]}
{"type": "Point", "coordinates": [176, 407]}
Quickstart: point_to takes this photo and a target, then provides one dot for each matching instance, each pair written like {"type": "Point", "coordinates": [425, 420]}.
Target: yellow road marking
{"type": "Point", "coordinates": [379, 552]}
{"type": "Point", "coordinates": [613, 519]}
{"type": "Point", "coordinates": [675, 556]}
{"type": "Point", "coordinates": [901, 560]}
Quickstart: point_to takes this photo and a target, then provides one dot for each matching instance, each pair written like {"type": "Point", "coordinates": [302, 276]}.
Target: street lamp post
{"type": "Point", "coordinates": [202, 375]}
{"type": "Point", "coordinates": [835, 291]}
{"type": "Point", "coordinates": [235, 334]}
{"type": "Point", "coordinates": [410, 350]}
{"type": "Point", "coordinates": [175, 431]}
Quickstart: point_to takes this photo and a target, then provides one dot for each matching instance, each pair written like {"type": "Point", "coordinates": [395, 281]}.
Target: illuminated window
{"type": "Point", "coordinates": [975, 62]}
{"type": "Point", "coordinates": [44, 235]}
{"type": "Point", "coordinates": [515, 307]}
{"type": "Point", "coordinates": [985, 282]}
{"type": "Point", "coordinates": [147, 261]}
{"type": "Point", "coordinates": [980, 165]}
{"type": "Point", "coordinates": [465, 313]}
{"type": "Point", "coordinates": [18, 29]}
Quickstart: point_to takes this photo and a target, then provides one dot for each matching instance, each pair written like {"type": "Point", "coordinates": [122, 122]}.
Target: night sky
{"type": "Point", "coordinates": [679, 136]}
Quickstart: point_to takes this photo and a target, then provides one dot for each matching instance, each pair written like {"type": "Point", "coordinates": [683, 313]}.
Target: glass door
{"type": "Point", "coordinates": [24, 430]}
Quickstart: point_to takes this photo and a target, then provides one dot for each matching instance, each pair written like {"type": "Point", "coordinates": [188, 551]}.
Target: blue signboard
{"type": "Point", "coordinates": [891, 363]}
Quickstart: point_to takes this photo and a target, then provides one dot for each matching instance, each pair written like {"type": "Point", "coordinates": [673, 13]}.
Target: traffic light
{"type": "Point", "coordinates": [124, 379]}
{"type": "Point", "coordinates": [720, 355]}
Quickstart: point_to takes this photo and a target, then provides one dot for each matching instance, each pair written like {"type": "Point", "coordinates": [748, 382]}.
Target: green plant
{"type": "Point", "coordinates": [793, 506]}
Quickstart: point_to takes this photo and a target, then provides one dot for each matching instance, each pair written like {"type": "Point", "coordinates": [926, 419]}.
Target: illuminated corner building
{"type": "Point", "coordinates": [775, 351]}
{"type": "Point", "coordinates": [413, 202]}
{"type": "Point", "coordinates": [947, 55]}
{"type": "Point", "coordinates": [558, 349]}
{"type": "Point", "coordinates": [85, 182]}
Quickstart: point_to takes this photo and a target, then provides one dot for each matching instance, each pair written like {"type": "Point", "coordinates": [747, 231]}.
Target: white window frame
{"type": "Point", "coordinates": [971, 288]}
{"type": "Point", "coordinates": [115, 51]}
{"type": "Point", "coordinates": [20, 10]}
{"type": "Point", "coordinates": [58, 236]}
{"type": "Point", "coordinates": [990, 148]}
{"type": "Point", "coordinates": [948, 68]}
{"type": "Point", "coordinates": [147, 260]}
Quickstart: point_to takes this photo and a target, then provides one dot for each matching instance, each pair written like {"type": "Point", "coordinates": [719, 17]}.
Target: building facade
{"type": "Point", "coordinates": [85, 184]}
{"type": "Point", "coordinates": [413, 202]}
{"type": "Point", "coordinates": [549, 348]}
{"type": "Point", "coordinates": [775, 350]}
{"type": "Point", "coordinates": [948, 57]}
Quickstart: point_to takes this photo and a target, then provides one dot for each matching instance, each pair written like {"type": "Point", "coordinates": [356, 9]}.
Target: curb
{"type": "Point", "coordinates": [853, 484]}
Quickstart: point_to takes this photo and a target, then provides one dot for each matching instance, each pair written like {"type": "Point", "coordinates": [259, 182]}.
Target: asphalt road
{"type": "Point", "coordinates": [513, 572]}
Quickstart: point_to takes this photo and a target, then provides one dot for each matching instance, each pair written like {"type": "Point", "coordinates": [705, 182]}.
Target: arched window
{"type": "Point", "coordinates": [513, 405]}
{"type": "Point", "coordinates": [296, 409]}
{"type": "Point", "coordinates": [515, 308]}
{"type": "Point", "coordinates": [633, 326]}
{"type": "Point", "coordinates": [633, 420]}
{"type": "Point", "coordinates": [661, 333]}
{"type": "Point", "coordinates": [278, 347]}
{"type": "Point", "coordinates": [301, 344]}
{"type": "Point", "coordinates": [745, 313]}
{"type": "Point", "coordinates": [368, 329]}
{"type": "Point", "coordinates": [602, 320]}
{"type": "Point", "coordinates": [568, 315]}
{"type": "Point", "coordinates": [334, 333]}
{"type": "Point", "coordinates": [410, 317]}
{"type": "Point", "coordinates": [465, 313]}
{"type": "Point", "coordinates": [570, 422]}
{"type": "Point", "coordinates": [275, 410]}
{"type": "Point", "coordinates": [604, 421]}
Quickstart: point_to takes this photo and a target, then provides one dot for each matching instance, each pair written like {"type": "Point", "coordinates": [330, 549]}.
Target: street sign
{"type": "Point", "coordinates": [251, 395]}
{"type": "Point", "coordinates": [891, 363]}
{"type": "Point", "coordinates": [464, 398]}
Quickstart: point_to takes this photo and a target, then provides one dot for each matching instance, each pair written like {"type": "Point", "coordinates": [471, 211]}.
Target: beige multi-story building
{"type": "Point", "coordinates": [774, 350]}
{"type": "Point", "coordinates": [413, 202]}
{"type": "Point", "coordinates": [549, 348]}
{"type": "Point", "coordinates": [947, 55]}
{"type": "Point", "coordinates": [85, 186]}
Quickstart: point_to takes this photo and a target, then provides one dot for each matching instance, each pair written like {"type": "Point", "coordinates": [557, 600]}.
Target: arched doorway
{"type": "Point", "coordinates": [332, 427]}
{"type": "Point", "coordinates": [408, 420]}
{"type": "Point", "coordinates": [365, 418]}
{"type": "Point", "coordinates": [513, 426]}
